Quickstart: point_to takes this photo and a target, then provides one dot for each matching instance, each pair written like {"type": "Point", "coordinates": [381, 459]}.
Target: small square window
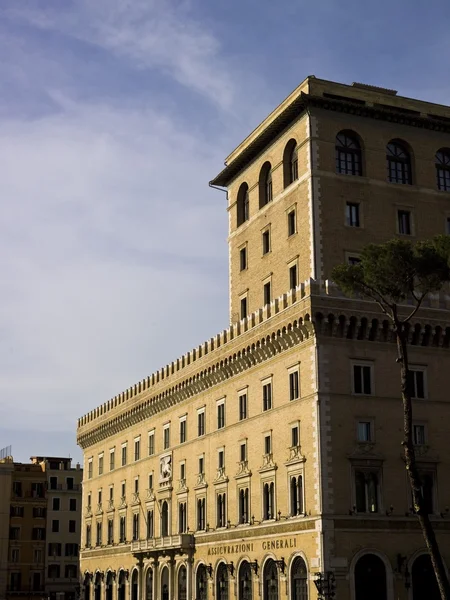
{"type": "Point", "coordinates": [404, 222]}
{"type": "Point", "coordinates": [244, 308]}
{"type": "Point", "coordinates": [362, 379]}
{"type": "Point", "coordinates": [267, 293]}
{"type": "Point", "coordinates": [293, 277]}
{"type": "Point", "coordinates": [243, 259]}
{"type": "Point", "coordinates": [292, 226]}
{"type": "Point", "coordinates": [266, 241]}
{"type": "Point", "coordinates": [352, 214]}
{"type": "Point", "coordinates": [419, 438]}
{"type": "Point", "coordinates": [364, 431]}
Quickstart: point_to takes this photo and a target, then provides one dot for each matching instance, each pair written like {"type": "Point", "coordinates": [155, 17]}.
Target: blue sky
{"type": "Point", "coordinates": [114, 115]}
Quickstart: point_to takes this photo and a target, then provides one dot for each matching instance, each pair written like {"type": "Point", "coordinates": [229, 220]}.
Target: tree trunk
{"type": "Point", "coordinates": [411, 466]}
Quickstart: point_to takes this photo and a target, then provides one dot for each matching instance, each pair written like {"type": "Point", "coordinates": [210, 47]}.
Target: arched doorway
{"type": "Point", "coordinates": [182, 589]}
{"type": "Point", "coordinates": [164, 519]}
{"type": "Point", "coordinates": [299, 580]}
{"type": "Point", "coordinates": [134, 585]}
{"type": "Point", "coordinates": [222, 582]}
{"type": "Point", "coordinates": [245, 581]}
{"type": "Point", "coordinates": [87, 586]}
{"type": "Point", "coordinates": [165, 584]}
{"type": "Point", "coordinates": [109, 586]}
{"type": "Point", "coordinates": [149, 584]}
{"type": "Point", "coordinates": [270, 580]}
{"type": "Point", "coordinates": [424, 580]}
{"type": "Point", "coordinates": [121, 585]}
{"type": "Point", "coordinates": [201, 583]}
{"type": "Point", "coordinates": [98, 586]}
{"type": "Point", "coordinates": [370, 578]}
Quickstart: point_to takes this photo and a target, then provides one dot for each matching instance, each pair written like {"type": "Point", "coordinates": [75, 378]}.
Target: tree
{"type": "Point", "coordinates": [398, 276]}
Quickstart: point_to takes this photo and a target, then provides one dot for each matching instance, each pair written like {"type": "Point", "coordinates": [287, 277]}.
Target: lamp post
{"type": "Point", "coordinates": [326, 585]}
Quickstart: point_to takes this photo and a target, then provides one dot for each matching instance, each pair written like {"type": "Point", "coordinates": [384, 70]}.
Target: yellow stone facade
{"type": "Point", "coordinates": [269, 458]}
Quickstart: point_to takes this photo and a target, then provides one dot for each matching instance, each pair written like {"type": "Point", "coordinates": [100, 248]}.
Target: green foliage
{"type": "Point", "coordinates": [391, 272]}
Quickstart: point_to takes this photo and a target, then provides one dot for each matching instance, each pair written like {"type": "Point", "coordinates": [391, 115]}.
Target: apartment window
{"type": "Point", "coordinates": [242, 205]}
{"type": "Point", "coordinates": [201, 422]}
{"type": "Point", "coordinates": [166, 437]}
{"type": "Point", "coordinates": [56, 503]}
{"type": "Point", "coordinates": [266, 241]}
{"type": "Point", "coordinates": [112, 455]}
{"type": "Point", "coordinates": [362, 379]}
{"type": "Point", "coordinates": [111, 493]}
{"type": "Point", "coordinates": [38, 533]}
{"type": "Point", "coordinates": [100, 464]}
{"type": "Point", "coordinates": [221, 459]}
{"type": "Point", "coordinates": [244, 505]}
{"type": "Point", "coordinates": [243, 452]}
{"type": "Point", "coordinates": [292, 222]}
{"type": "Point", "coordinates": [268, 444]}
{"type": "Point", "coordinates": [70, 483]}
{"type": "Point", "coordinates": [54, 571]}
{"type": "Point", "coordinates": [348, 154]}
{"type": "Point", "coordinates": [242, 406]}
{"type": "Point", "coordinates": [15, 557]}
{"type": "Point", "coordinates": [294, 388]}
{"type": "Point", "coordinates": [419, 435]}
{"type": "Point", "coordinates": [99, 534]}
{"type": "Point", "coordinates": [296, 495]}
{"type": "Point", "coordinates": [182, 430]}
{"type": "Point", "coordinates": [443, 170]}
{"type": "Point", "coordinates": [201, 465]}
{"type": "Point", "coordinates": [14, 533]}
{"type": "Point", "coordinates": [88, 536]}
{"type": "Point", "coordinates": [183, 471]}
{"type": "Point", "coordinates": [221, 414]}
{"type": "Point", "coordinates": [268, 500]}
{"type": "Point", "coordinates": [135, 527]}
{"type": "Point", "coordinates": [164, 519]}
{"type": "Point", "coordinates": [290, 163]}
{"type": "Point", "coordinates": [417, 383]}
{"type": "Point", "coordinates": [293, 278]}
{"type": "Point", "coordinates": [265, 184]}
{"type": "Point", "coordinates": [201, 514]}
{"type": "Point", "coordinates": [37, 490]}
{"type": "Point", "coordinates": [55, 526]}
{"type": "Point", "coordinates": [54, 549]}
{"type": "Point", "coordinates": [404, 222]}
{"type": "Point", "coordinates": [364, 431]}
{"type": "Point", "coordinates": [137, 449]}
{"type": "Point", "coordinates": [136, 485]}
{"type": "Point", "coordinates": [150, 524]}
{"type": "Point", "coordinates": [37, 555]}
{"type": "Point", "coordinates": [150, 481]}
{"type": "Point", "coordinates": [122, 485]}
{"type": "Point", "coordinates": [71, 549]}
{"type": "Point", "coordinates": [70, 571]}
{"type": "Point", "coordinates": [151, 443]}
{"type": "Point", "coordinates": [17, 511]}
{"type": "Point", "coordinates": [15, 582]}
{"type": "Point", "coordinates": [295, 436]}
{"type": "Point", "coordinates": [267, 395]}
{"type": "Point", "coordinates": [122, 529]}
{"type": "Point", "coordinates": [89, 500]}
{"type": "Point", "coordinates": [243, 258]}
{"type": "Point", "coordinates": [39, 512]}
{"type": "Point", "coordinates": [72, 526]}
{"type": "Point", "coordinates": [352, 214]}
{"type": "Point", "coordinates": [54, 483]}
{"type": "Point", "coordinates": [124, 455]}
{"type": "Point", "coordinates": [267, 293]}
{"type": "Point", "coordinates": [100, 497]}
{"type": "Point", "coordinates": [244, 307]}
{"type": "Point", "coordinates": [90, 468]}
{"type": "Point", "coordinates": [367, 491]}
{"type": "Point", "coordinates": [72, 504]}
{"type": "Point", "coordinates": [398, 163]}
{"type": "Point", "coordinates": [182, 517]}
{"type": "Point", "coordinates": [221, 502]}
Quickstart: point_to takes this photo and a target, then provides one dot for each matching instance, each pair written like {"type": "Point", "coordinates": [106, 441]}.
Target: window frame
{"type": "Point", "coordinates": [201, 421]}
{"type": "Point", "coordinates": [443, 169]}
{"type": "Point", "coordinates": [267, 381]}
{"type": "Point", "coordinates": [294, 386]}
{"type": "Point", "coordinates": [220, 411]}
{"type": "Point", "coordinates": [348, 153]}
{"type": "Point", "coordinates": [243, 394]}
{"type": "Point", "coordinates": [137, 448]}
{"type": "Point", "coordinates": [362, 363]}
{"type": "Point", "coordinates": [350, 208]}
{"type": "Point", "coordinates": [266, 240]}
{"type": "Point", "coordinates": [419, 369]}
{"type": "Point", "coordinates": [403, 175]}
{"type": "Point", "coordinates": [243, 258]}
{"type": "Point", "coordinates": [183, 429]}
{"type": "Point", "coordinates": [166, 436]}
{"type": "Point", "coordinates": [366, 470]}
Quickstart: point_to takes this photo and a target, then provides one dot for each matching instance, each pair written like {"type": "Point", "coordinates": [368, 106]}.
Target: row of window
{"type": "Point", "coordinates": [14, 555]}
{"type": "Point", "coordinates": [56, 504]}
{"type": "Point", "coordinates": [349, 161]}
{"type": "Point", "coordinates": [363, 380]}
{"type": "Point", "coordinates": [243, 413]}
{"type": "Point", "coordinates": [55, 549]}
{"type": "Point", "coordinates": [56, 526]}
{"type": "Point", "coordinates": [36, 490]}
{"type": "Point", "coordinates": [38, 512]}
{"type": "Point", "coordinates": [37, 533]}
{"type": "Point", "coordinates": [55, 572]}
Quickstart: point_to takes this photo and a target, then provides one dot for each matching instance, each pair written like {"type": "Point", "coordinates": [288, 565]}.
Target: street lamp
{"type": "Point", "coordinates": [325, 584]}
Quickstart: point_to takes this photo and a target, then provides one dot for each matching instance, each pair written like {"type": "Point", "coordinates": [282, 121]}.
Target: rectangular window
{"type": "Point", "coordinates": [295, 436]}
{"type": "Point", "coordinates": [364, 431]}
{"type": "Point", "coordinates": [447, 226]}
{"type": "Point", "coordinates": [72, 504]}
{"type": "Point", "coordinates": [294, 385]}
{"type": "Point", "coordinates": [417, 383]}
{"type": "Point", "coordinates": [243, 259]}
{"type": "Point", "coordinates": [296, 495]}
{"type": "Point", "coordinates": [136, 485]}
{"type": "Point", "coordinates": [201, 465]}
{"type": "Point", "coordinates": [292, 228]}
{"type": "Point", "coordinates": [150, 524]}
{"type": "Point", "coordinates": [150, 481]}
{"type": "Point", "coordinates": [90, 468]}
{"type": "Point", "coordinates": [39, 512]}
{"type": "Point", "coordinates": [100, 464]}
{"type": "Point", "coordinates": [89, 500]}
{"type": "Point", "coordinates": [293, 282]}
{"type": "Point", "coordinates": [88, 536]}
{"type": "Point", "coordinates": [221, 414]}
{"type": "Point", "coordinates": [221, 510]}
{"type": "Point", "coordinates": [70, 483]}
{"type": "Point", "coordinates": [221, 459]}
{"type": "Point", "coordinates": [353, 260]}
{"type": "Point", "coordinates": [182, 430]}
{"type": "Point", "coordinates": [55, 526]}
{"type": "Point", "coordinates": [14, 555]}
{"type": "Point", "coordinates": [201, 514]}
{"type": "Point", "coordinates": [367, 491]}
{"type": "Point", "coordinates": [14, 533]}
{"type": "Point", "coordinates": [110, 531]}
{"type": "Point", "coordinates": [427, 479]}
{"type": "Point", "coordinates": [112, 456]}
{"type": "Point", "coordinates": [122, 529]}
{"type": "Point", "coordinates": [72, 526]}
{"type": "Point", "coordinates": [266, 241]}
{"type": "Point", "coordinates": [268, 444]}
{"type": "Point", "coordinates": [419, 435]}
{"type": "Point", "coordinates": [267, 293]}
{"type": "Point", "coordinates": [55, 549]}
{"type": "Point", "coordinates": [267, 396]}
{"type": "Point", "coordinates": [137, 449]}
{"type": "Point", "coordinates": [37, 555]}
{"type": "Point", "coordinates": [99, 534]}
{"type": "Point", "coordinates": [100, 497]}
{"type": "Point", "coordinates": [18, 511]}
{"type": "Point", "coordinates": [111, 493]}
{"type": "Point", "coordinates": [404, 222]}
{"type": "Point", "coordinates": [182, 471]}
{"type": "Point", "coordinates": [122, 489]}
{"type": "Point", "coordinates": [166, 437]}
{"type": "Point", "coordinates": [244, 309]}
{"type": "Point", "coordinates": [135, 527]}
{"type": "Point", "coordinates": [201, 422]}
{"type": "Point", "coordinates": [56, 503]}
{"type": "Point", "coordinates": [151, 443]}
{"type": "Point", "coordinates": [352, 214]}
{"type": "Point", "coordinates": [362, 379]}
{"type": "Point", "coordinates": [242, 407]}
{"type": "Point", "coordinates": [53, 483]}
{"type": "Point", "coordinates": [243, 451]}
{"type": "Point", "coordinates": [124, 455]}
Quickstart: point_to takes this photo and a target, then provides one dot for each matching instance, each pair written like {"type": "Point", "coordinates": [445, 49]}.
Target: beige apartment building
{"type": "Point", "coordinates": [267, 462]}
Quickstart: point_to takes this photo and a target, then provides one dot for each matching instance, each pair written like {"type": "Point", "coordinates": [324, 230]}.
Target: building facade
{"type": "Point", "coordinates": [29, 545]}
{"type": "Point", "coordinates": [267, 462]}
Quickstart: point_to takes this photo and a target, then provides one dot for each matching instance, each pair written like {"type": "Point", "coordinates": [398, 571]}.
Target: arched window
{"type": "Point", "coordinates": [424, 580]}
{"type": "Point", "coordinates": [182, 589]}
{"type": "Point", "coordinates": [87, 586]}
{"type": "Point", "coordinates": [242, 205]}
{"type": "Point", "coordinates": [370, 578]}
{"type": "Point", "coordinates": [164, 519]}
{"type": "Point", "coordinates": [149, 584]}
{"type": "Point", "coordinates": [109, 586]}
{"type": "Point", "coordinates": [265, 184]}
{"type": "Point", "coordinates": [98, 586]}
{"type": "Point", "coordinates": [296, 495]}
{"type": "Point", "coordinates": [443, 169]}
{"type": "Point", "coordinates": [299, 580]}
{"type": "Point", "coordinates": [268, 500]}
{"type": "Point", "coordinates": [290, 163]}
{"type": "Point", "coordinates": [398, 163]}
{"type": "Point", "coordinates": [222, 582]}
{"type": "Point", "coordinates": [245, 581]}
{"type": "Point", "coordinates": [201, 584]}
{"type": "Point", "coordinates": [134, 585]}
{"type": "Point", "coordinates": [165, 584]}
{"type": "Point", "coordinates": [121, 585]}
{"type": "Point", "coordinates": [348, 154]}
{"type": "Point", "coordinates": [270, 581]}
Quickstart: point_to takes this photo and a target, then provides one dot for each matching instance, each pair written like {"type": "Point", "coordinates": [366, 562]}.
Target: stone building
{"type": "Point", "coordinates": [267, 462]}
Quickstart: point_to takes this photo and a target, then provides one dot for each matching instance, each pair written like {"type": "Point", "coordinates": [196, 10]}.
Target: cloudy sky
{"type": "Point", "coordinates": [114, 115]}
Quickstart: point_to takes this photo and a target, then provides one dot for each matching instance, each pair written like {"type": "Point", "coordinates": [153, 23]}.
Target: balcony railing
{"type": "Point", "coordinates": [183, 541]}
{"type": "Point", "coordinates": [76, 487]}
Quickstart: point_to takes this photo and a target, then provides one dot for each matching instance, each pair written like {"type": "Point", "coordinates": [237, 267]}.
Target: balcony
{"type": "Point", "coordinates": [183, 541]}
{"type": "Point", "coordinates": [61, 487]}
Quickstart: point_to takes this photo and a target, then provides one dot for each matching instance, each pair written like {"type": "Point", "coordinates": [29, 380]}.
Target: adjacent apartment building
{"type": "Point", "coordinates": [267, 462]}
{"type": "Point", "coordinates": [40, 525]}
